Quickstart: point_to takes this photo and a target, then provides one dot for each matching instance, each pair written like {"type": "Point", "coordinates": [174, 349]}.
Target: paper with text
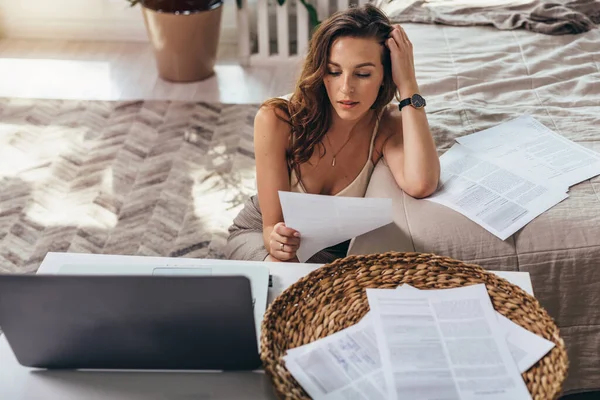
{"type": "Point", "coordinates": [526, 348]}
{"type": "Point", "coordinates": [347, 364]}
{"type": "Point", "coordinates": [536, 152]}
{"type": "Point", "coordinates": [342, 366]}
{"type": "Point", "coordinates": [325, 221]}
{"type": "Point", "coordinates": [443, 344]}
{"type": "Point", "coordinates": [499, 200]}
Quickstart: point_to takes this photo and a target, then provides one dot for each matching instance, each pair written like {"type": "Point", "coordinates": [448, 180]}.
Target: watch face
{"type": "Point", "coordinates": [417, 101]}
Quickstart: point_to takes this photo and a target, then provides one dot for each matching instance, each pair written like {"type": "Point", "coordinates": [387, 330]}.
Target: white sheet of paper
{"type": "Point", "coordinates": [324, 221]}
{"type": "Point", "coordinates": [526, 348]}
{"type": "Point", "coordinates": [344, 365]}
{"type": "Point", "coordinates": [347, 364]}
{"type": "Point", "coordinates": [529, 147]}
{"type": "Point", "coordinates": [499, 200]}
{"type": "Point", "coordinates": [443, 343]}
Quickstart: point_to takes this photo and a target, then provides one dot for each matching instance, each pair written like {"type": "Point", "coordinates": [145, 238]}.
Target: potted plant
{"type": "Point", "coordinates": [184, 35]}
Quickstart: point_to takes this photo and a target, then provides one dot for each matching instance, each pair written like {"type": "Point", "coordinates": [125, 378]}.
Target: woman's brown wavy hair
{"type": "Point", "coordinates": [308, 110]}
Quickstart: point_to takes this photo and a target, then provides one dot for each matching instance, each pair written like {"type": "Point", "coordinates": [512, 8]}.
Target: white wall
{"type": "Point", "coordinates": [87, 20]}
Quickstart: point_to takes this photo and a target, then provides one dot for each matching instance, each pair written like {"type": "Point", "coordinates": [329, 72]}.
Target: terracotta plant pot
{"type": "Point", "coordinates": [185, 41]}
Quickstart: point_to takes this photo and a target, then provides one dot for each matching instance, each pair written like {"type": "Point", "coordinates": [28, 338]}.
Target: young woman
{"type": "Point", "coordinates": [337, 124]}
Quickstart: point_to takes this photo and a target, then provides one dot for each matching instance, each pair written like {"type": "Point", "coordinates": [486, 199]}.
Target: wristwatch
{"type": "Point", "coordinates": [415, 100]}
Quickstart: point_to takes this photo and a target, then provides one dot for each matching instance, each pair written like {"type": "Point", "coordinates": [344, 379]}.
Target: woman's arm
{"type": "Point", "coordinates": [410, 151]}
{"type": "Point", "coordinates": [271, 138]}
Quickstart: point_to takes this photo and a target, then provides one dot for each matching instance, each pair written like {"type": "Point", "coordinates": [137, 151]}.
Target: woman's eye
{"type": "Point", "coordinates": [336, 73]}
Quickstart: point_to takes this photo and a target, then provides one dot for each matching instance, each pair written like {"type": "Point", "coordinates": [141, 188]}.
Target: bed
{"type": "Point", "coordinates": [474, 77]}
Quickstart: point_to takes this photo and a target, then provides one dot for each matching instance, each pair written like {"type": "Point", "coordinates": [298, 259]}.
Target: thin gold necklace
{"type": "Point", "coordinates": [340, 149]}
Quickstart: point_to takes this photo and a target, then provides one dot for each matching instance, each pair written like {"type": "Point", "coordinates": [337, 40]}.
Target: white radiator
{"type": "Point", "coordinates": [261, 49]}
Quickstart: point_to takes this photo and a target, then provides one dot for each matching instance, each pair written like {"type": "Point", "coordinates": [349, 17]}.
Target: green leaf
{"type": "Point", "coordinates": [281, 2]}
{"type": "Point", "coordinates": [239, 3]}
{"type": "Point", "coordinates": [312, 14]}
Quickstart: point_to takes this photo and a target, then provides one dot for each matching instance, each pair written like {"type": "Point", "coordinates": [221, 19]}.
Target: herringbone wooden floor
{"type": "Point", "coordinates": [143, 177]}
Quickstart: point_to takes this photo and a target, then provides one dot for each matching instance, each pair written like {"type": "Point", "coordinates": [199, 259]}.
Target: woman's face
{"type": "Point", "coordinates": [354, 76]}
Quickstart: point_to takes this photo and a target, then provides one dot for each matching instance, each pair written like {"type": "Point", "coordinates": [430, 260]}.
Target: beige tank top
{"type": "Point", "coordinates": [358, 187]}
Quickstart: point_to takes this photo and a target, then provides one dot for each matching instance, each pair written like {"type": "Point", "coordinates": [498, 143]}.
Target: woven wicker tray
{"type": "Point", "coordinates": [333, 297]}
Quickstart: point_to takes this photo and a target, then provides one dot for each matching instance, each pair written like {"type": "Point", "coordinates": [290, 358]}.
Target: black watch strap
{"type": "Point", "coordinates": [404, 103]}
{"type": "Point", "coordinates": [416, 100]}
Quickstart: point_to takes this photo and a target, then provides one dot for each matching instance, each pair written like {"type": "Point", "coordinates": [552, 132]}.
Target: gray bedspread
{"type": "Point", "coordinates": [551, 17]}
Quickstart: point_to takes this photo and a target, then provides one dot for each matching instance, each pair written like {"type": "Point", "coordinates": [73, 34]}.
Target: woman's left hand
{"type": "Point", "coordinates": [401, 54]}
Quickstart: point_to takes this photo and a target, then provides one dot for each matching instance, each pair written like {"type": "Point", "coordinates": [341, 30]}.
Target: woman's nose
{"type": "Point", "coordinates": [347, 85]}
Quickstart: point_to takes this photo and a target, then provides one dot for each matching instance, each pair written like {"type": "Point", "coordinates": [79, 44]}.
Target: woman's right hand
{"type": "Point", "coordinates": [284, 242]}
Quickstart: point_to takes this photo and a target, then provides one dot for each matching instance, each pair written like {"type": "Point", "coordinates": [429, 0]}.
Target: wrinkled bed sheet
{"type": "Point", "coordinates": [551, 17]}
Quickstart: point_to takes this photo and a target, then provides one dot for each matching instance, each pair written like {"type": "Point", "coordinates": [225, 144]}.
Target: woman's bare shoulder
{"type": "Point", "coordinates": [271, 124]}
{"type": "Point", "coordinates": [271, 116]}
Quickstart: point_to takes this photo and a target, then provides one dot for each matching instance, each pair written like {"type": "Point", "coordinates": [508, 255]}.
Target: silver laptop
{"type": "Point", "coordinates": [258, 275]}
{"type": "Point", "coordinates": [160, 322]}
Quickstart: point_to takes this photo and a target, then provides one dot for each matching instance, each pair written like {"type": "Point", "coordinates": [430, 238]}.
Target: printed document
{"type": "Point", "coordinates": [443, 344]}
{"type": "Point", "coordinates": [526, 146]}
{"type": "Point", "coordinates": [499, 200]}
{"type": "Point", "coordinates": [325, 221]}
{"type": "Point", "coordinates": [341, 366]}
{"type": "Point", "coordinates": [347, 364]}
{"type": "Point", "coordinates": [526, 348]}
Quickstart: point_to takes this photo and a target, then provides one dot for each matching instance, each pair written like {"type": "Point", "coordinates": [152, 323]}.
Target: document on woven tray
{"type": "Point", "coordinates": [500, 200]}
{"type": "Point", "coordinates": [443, 344]}
{"type": "Point", "coordinates": [344, 365]}
{"type": "Point", "coordinates": [526, 348]}
{"type": "Point", "coordinates": [529, 148]}
{"type": "Point", "coordinates": [347, 364]}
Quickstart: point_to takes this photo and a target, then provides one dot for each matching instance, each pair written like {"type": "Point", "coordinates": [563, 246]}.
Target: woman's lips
{"type": "Point", "coordinates": [347, 104]}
